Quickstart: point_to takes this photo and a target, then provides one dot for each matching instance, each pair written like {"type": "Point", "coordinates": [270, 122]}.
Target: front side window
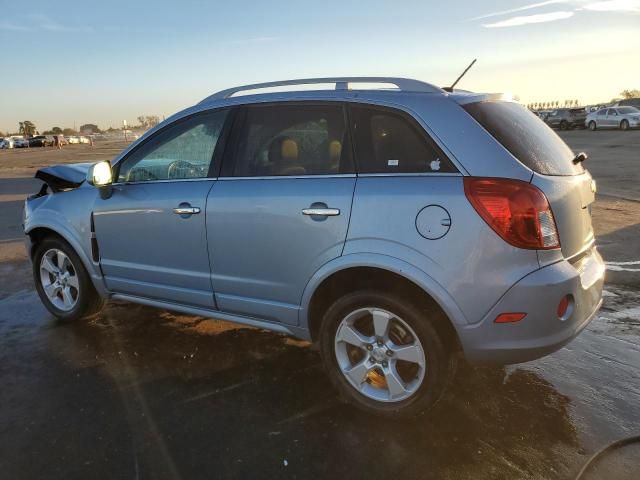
{"type": "Point", "coordinates": [183, 150]}
{"type": "Point", "coordinates": [602, 113]}
{"type": "Point", "coordinates": [613, 112]}
{"type": "Point", "coordinates": [292, 140]}
{"type": "Point", "coordinates": [389, 142]}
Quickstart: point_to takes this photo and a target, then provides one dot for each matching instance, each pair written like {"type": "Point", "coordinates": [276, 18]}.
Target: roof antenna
{"type": "Point", "coordinates": [450, 89]}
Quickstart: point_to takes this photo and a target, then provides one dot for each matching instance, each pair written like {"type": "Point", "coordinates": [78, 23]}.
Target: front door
{"type": "Point", "coordinates": [612, 118]}
{"type": "Point", "coordinates": [281, 207]}
{"type": "Point", "coordinates": [151, 232]}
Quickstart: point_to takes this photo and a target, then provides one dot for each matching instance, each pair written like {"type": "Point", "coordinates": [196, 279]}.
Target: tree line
{"type": "Point", "coordinates": [27, 128]}
{"type": "Point", "coordinates": [633, 93]}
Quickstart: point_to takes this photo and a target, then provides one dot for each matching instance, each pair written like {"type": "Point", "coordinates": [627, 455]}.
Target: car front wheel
{"type": "Point", "coordinates": [592, 126]}
{"type": "Point", "coordinates": [624, 125]}
{"type": "Point", "coordinates": [384, 354]}
{"type": "Point", "coordinates": [62, 282]}
{"type": "Point", "coordinates": [564, 125]}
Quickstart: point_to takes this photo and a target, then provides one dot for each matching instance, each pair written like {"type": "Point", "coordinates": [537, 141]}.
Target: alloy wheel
{"type": "Point", "coordinates": [380, 355]}
{"type": "Point", "coordinates": [59, 279]}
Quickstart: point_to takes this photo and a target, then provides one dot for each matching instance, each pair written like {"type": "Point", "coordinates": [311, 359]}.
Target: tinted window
{"type": "Point", "coordinates": [182, 150]}
{"type": "Point", "coordinates": [612, 111]}
{"type": "Point", "coordinates": [602, 112]}
{"type": "Point", "coordinates": [529, 140]}
{"type": "Point", "coordinates": [389, 142]}
{"type": "Point", "coordinates": [291, 140]}
{"type": "Point", "coordinates": [628, 110]}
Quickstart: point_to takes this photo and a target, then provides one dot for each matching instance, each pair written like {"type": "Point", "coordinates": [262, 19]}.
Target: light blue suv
{"type": "Point", "coordinates": [396, 228]}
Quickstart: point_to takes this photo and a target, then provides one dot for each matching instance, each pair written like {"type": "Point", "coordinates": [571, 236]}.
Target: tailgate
{"type": "Point", "coordinates": [570, 198]}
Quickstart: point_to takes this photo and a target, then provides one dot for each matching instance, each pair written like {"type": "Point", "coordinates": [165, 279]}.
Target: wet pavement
{"type": "Point", "coordinates": [144, 393]}
{"type": "Point", "coordinates": [141, 393]}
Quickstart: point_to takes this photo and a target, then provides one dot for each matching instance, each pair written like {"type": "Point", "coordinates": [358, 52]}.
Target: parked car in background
{"type": "Point", "coordinates": [566, 118]}
{"type": "Point", "coordinates": [20, 143]}
{"type": "Point", "coordinates": [396, 257]}
{"type": "Point", "coordinates": [41, 141]}
{"type": "Point", "coordinates": [73, 139]}
{"type": "Point", "coordinates": [629, 102]}
{"type": "Point", "coordinates": [84, 139]}
{"type": "Point", "coordinates": [6, 143]}
{"type": "Point", "coordinates": [543, 114]}
{"type": "Point", "coordinates": [623, 118]}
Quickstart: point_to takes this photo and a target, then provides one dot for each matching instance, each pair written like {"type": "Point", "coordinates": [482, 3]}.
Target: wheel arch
{"type": "Point", "coordinates": [38, 232]}
{"type": "Point", "coordinates": [355, 272]}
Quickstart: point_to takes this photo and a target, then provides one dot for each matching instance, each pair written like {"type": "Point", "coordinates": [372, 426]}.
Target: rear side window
{"type": "Point", "coordinates": [293, 140]}
{"type": "Point", "coordinates": [525, 137]}
{"type": "Point", "coordinates": [390, 142]}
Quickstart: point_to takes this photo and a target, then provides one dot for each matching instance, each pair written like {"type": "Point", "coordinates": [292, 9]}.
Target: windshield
{"type": "Point", "coordinates": [526, 137]}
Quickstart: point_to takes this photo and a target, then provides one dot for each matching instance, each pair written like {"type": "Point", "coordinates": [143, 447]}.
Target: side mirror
{"type": "Point", "coordinates": [100, 175]}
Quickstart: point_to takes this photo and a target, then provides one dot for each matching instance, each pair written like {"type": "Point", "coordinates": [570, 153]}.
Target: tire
{"type": "Point", "coordinates": [73, 295]}
{"type": "Point", "coordinates": [624, 125]}
{"type": "Point", "coordinates": [592, 126]}
{"type": "Point", "coordinates": [564, 125]}
{"type": "Point", "coordinates": [421, 386]}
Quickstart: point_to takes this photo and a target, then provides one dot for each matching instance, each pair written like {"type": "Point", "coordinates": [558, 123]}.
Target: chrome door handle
{"type": "Point", "coordinates": [186, 210]}
{"type": "Point", "coordinates": [325, 212]}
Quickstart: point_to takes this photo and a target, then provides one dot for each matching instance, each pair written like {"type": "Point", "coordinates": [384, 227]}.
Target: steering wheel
{"type": "Point", "coordinates": [140, 174]}
{"type": "Point", "coordinates": [182, 169]}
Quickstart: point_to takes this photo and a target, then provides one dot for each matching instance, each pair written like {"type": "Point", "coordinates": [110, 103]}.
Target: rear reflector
{"type": "Point", "coordinates": [515, 210]}
{"type": "Point", "coordinates": [510, 317]}
{"type": "Point", "coordinates": [563, 306]}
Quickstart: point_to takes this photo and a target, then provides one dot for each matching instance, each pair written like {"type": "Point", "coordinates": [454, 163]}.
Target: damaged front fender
{"type": "Point", "coordinates": [63, 177]}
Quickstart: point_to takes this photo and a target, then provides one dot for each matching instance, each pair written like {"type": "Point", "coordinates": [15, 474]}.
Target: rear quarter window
{"type": "Point", "coordinates": [526, 137]}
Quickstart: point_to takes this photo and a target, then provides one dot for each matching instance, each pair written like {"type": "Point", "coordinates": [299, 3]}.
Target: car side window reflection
{"type": "Point", "coordinates": [180, 151]}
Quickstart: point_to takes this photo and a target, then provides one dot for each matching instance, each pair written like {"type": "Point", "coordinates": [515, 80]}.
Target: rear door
{"type": "Point", "coordinates": [281, 207]}
{"type": "Point", "coordinates": [151, 231]}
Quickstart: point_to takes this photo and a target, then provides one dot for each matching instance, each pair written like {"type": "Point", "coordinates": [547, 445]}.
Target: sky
{"type": "Point", "coordinates": [76, 62]}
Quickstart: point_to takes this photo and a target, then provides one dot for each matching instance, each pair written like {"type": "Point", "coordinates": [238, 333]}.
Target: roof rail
{"type": "Point", "coordinates": [342, 83]}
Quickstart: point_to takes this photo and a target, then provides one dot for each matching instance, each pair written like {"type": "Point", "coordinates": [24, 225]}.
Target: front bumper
{"type": "Point", "coordinates": [538, 294]}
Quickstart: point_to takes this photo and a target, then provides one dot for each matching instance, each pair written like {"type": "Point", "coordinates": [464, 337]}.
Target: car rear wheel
{"type": "Point", "coordinates": [384, 355]}
{"type": "Point", "coordinates": [592, 126]}
{"type": "Point", "coordinates": [62, 282]}
{"type": "Point", "coordinates": [624, 125]}
{"type": "Point", "coordinates": [564, 125]}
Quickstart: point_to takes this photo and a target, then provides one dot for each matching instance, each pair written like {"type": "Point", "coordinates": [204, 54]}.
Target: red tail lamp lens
{"type": "Point", "coordinates": [511, 317]}
{"type": "Point", "coordinates": [515, 210]}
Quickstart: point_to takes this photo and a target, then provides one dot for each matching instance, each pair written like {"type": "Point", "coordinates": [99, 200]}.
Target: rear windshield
{"type": "Point", "coordinates": [527, 137]}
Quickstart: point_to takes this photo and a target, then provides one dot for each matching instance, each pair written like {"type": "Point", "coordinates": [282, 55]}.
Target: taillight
{"type": "Point", "coordinates": [515, 210]}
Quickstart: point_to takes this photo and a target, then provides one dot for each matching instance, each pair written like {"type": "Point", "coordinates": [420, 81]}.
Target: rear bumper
{"type": "Point", "coordinates": [541, 332]}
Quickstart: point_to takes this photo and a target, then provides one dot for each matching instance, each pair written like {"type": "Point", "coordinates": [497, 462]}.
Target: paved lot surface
{"type": "Point", "coordinates": [145, 393]}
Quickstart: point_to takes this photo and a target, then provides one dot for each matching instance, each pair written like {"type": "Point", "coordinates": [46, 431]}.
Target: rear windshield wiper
{"type": "Point", "coordinates": [579, 158]}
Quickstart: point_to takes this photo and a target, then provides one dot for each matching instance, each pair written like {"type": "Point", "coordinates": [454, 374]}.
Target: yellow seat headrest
{"type": "Point", "coordinates": [289, 150]}
{"type": "Point", "coordinates": [335, 150]}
